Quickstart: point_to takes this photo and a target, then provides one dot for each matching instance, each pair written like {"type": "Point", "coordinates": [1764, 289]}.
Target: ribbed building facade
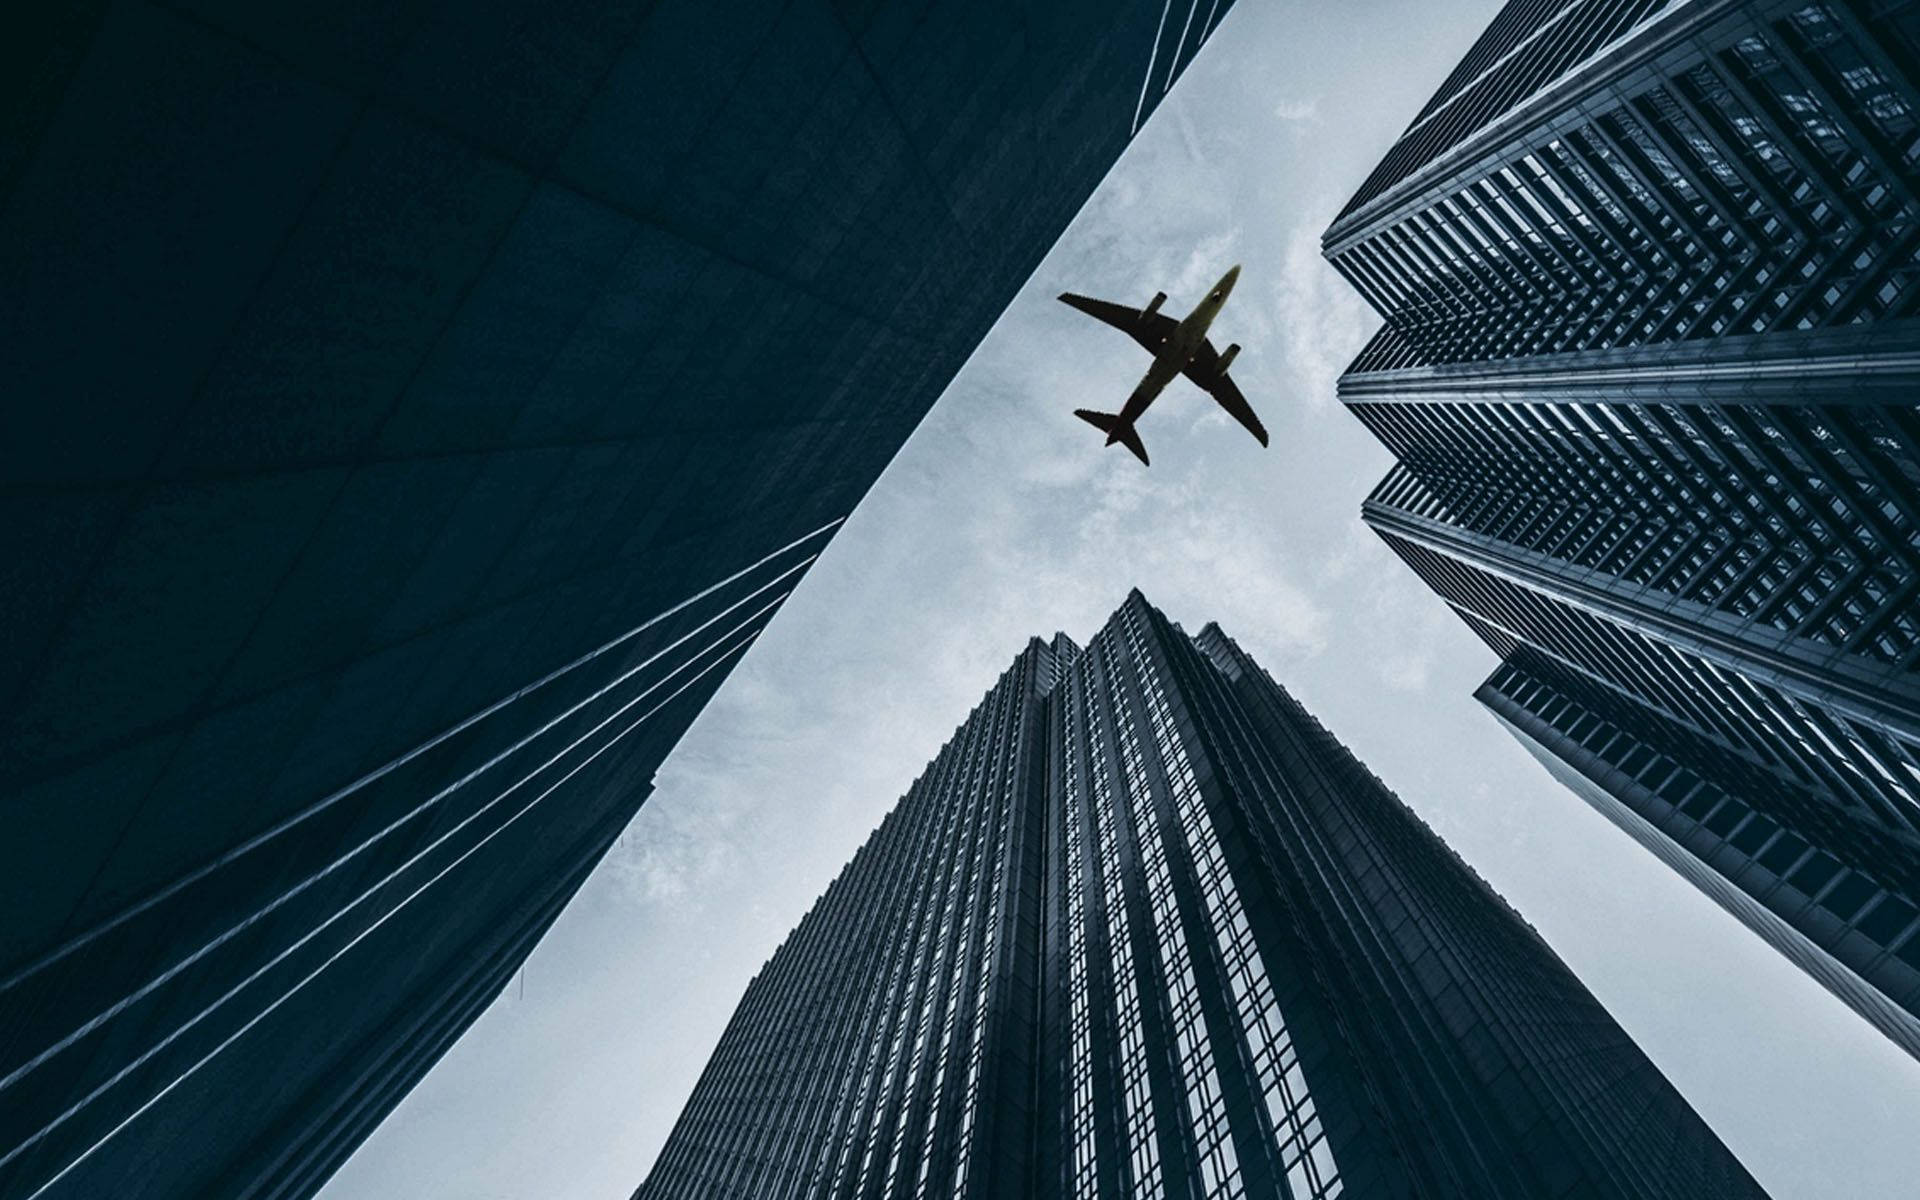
{"type": "Point", "coordinates": [413, 412]}
{"type": "Point", "coordinates": [1649, 369]}
{"type": "Point", "coordinates": [1145, 928]}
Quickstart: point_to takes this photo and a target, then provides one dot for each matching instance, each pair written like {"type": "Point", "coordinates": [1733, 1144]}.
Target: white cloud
{"type": "Point", "coordinates": [1208, 260]}
{"type": "Point", "coordinates": [1307, 110]}
{"type": "Point", "coordinates": [1406, 672]}
{"type": "Point", "coordinates": [1323, 322]}
{"type": "Point", "coordinates": [1358, 548]}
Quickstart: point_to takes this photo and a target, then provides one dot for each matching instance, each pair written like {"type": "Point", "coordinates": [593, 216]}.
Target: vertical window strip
{"type": "Point", "coordinates": [1143, 1150]}
{"type": "Point", "coordinates": [1305, 1155]}
{"type": "Point", "coordinates": [1082, 1158]}
{"type": "Point", "coordinates": [1199, 1073]}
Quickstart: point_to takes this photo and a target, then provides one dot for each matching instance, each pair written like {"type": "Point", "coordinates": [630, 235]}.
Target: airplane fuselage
{"type": "Point", "coordinates": [1177, 350]}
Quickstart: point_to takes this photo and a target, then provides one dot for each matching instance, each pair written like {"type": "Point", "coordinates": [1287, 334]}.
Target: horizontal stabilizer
{"type": "Point", "coordinates": [1099, 420]}
{"type": "Point", "coordinates": [1109, 424]}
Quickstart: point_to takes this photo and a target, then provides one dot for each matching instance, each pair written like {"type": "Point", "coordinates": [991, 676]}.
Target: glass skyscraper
{"type": "Point", "coordinates": [1145, 928]}
{"type": "Point", "coordinates": [1649, 371]}
{"type": "Point", "coordinates": [413, 411]}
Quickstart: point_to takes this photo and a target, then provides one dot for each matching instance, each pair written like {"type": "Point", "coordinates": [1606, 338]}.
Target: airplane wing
{"type": "Point", "coordinates": [1205, 371]}
{"type": "Point", "coordinates": [1143, 326]}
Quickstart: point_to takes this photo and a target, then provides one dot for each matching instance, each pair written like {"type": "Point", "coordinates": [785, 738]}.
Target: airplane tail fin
{"type": "Point", "coordinates": [1110, 425]}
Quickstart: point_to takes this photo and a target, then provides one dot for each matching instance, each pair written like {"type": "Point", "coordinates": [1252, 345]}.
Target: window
{"type": "Point", "coordinates": [1887, 919]}
{"type": "Point", "coordinates": [1726, 817]}
{"type": "Point", "coordinates": [1754, 835]}
{"type": "Point", "coordinates": [1845, 900]}
{"type": "Point", "coordinates": [1815, 874]}
{"type": "Point", "coordinates": [1783, 854]}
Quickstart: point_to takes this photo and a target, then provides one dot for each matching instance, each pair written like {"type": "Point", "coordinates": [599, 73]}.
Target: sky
{"type": "Point", "coordinates": [1002, 518]}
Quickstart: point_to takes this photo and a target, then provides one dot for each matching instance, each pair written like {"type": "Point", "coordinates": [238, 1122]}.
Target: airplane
{"type": "Point", "coordinates": [1178, 348]}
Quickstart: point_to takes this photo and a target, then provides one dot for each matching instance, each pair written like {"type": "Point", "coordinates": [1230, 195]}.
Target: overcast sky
{"type": "Point", "coordinates": [1003, 517]}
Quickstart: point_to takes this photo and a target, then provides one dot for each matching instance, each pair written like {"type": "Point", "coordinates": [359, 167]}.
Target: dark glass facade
{"type": "Point", "coordinates": [1145, 928]}
{"type": "Point", "coordinates": [413, 412]}
{"type": "Point", "coordinates": [1648, 370]}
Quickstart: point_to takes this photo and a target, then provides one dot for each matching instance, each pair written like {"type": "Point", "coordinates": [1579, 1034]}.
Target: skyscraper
{"type": "Point", "coordinates": [1649, 367]}
{"type": "Point", "coordinates": [413, 412]}
{"type": "Point", "coordinates": [1144, 928]}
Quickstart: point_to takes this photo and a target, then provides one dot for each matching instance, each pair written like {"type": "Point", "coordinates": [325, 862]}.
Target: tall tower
{"type": "Point", "coordinates": [1648, 368]}
{"type": "Point", "coordinates": [1144, 928]}
{"type": "Point", "coordinates": [413, 412]}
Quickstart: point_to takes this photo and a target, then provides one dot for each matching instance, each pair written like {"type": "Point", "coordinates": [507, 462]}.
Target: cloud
{"type": "Point", "coordinates": [1412, 624]}
{"type": "Point", "coordinates": [1209, 259]}
{"type": "Point", "coordinates": [1406, 672]}
{"type": "Point", "coordinates": [1359, 549]}
{"type": "Point", "coordinates": [1323, 321]}
{"type": "Point", "coordinates": [1306, 111]}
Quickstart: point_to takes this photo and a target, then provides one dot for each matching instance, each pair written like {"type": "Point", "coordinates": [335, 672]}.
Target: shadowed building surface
{"type": "Point", "coordinates": [1650, 279]}
{"type": "Point", "coordinates": [414, 411]}
{"type": "Point", "coordinates": [1144, 928]}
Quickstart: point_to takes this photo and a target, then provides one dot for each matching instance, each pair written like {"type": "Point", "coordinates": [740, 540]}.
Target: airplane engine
{"type": "Point", "coordinates": [1159, 298]}
{"type": "Point", "coordinates": [1226, 357]}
